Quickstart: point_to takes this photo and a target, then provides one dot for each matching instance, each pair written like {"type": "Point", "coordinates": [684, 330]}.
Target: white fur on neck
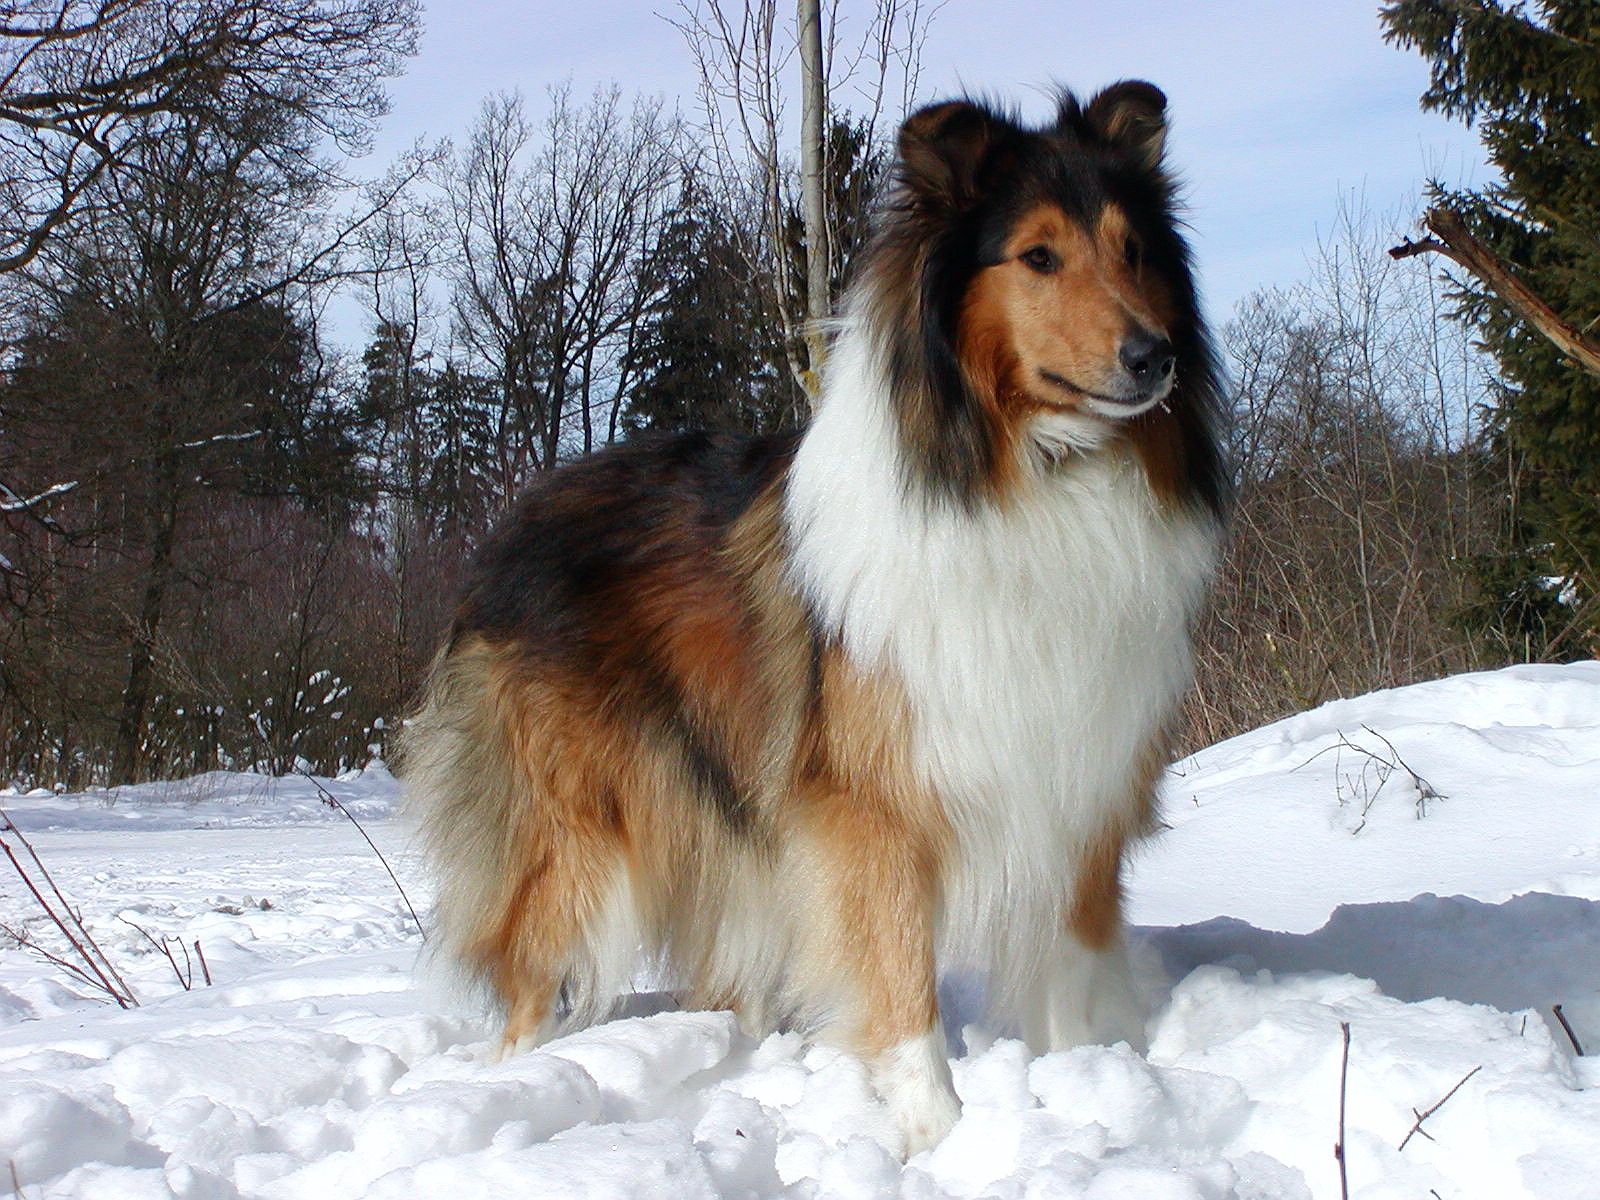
{"type": "Point", "coordinates": [1043, 643]}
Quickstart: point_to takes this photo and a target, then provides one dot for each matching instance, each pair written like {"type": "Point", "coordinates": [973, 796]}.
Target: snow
{"type": "Point", "coordinates": [1516, 752]}
{"type": "Point", "coordinates": [1299, 886]}
{"type": "Point", "coordinates": [11, 502]}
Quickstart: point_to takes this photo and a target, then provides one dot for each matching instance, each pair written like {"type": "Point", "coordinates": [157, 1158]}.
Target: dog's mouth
{"type": "Point", "coordinates": [1115, 407]}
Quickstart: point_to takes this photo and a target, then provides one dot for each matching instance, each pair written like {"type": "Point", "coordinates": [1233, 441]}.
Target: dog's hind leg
{"type": "Point", "coordinates": [554, 916]}
{"type": "Point", "coordinates": [523, 816]}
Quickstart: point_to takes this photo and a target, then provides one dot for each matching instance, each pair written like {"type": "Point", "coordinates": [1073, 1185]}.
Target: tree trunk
{"type": "Point", "coordinates": [813, 110]}
{"type": "Point", "coordinates": [126, 763]}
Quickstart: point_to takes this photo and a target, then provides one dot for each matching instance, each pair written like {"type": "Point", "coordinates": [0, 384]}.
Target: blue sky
{"type": "Point", "coordinates": [1278, 109]}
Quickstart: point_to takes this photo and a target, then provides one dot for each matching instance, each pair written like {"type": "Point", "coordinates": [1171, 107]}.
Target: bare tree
{"type": "Point", "coordinates": [813, 187]}
{"type": "Point", "coordinates": [744, 52]}
{"type": "Point", "coordinates": [551, 245]}
{"type": "Point", "coordinates": [181, 265]}
{"type": "Point", "coordinates": [94, 89]}
{"type": "Point", "coordinates": [1358, 445]}
{"type": "Point", "coordinates": [84, 83]}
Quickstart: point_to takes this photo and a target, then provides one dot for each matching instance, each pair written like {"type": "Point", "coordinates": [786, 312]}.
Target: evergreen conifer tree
{"type": "Point", "coordinates": [1527, 77]}
{"type": "Point", "coordinates": [709, 356]}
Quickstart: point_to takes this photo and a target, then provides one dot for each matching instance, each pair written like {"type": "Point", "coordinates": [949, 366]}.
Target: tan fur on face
{"type": "Point", "coordinates": [1018, 323]}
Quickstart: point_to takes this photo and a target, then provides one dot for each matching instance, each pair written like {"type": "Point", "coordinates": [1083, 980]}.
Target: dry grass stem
{"type": "Point", "coordinates": [105, 976]}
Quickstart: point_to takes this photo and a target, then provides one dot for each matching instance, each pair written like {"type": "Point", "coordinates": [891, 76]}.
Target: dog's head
{"type": "Point", "coordinates": [1037, 280]}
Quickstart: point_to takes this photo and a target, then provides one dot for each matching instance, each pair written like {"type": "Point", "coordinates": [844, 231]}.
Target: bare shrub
{"type": "Point", "coordinates": [1360, 470]}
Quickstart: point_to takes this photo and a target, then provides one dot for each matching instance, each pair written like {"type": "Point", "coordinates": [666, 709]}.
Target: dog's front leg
{"type": "Point", "coordinates": [1084, 995]}
{"type": "Point", "coordinates": [1084, 991]}
{"type": "Point", "coordinates": [874, 871]}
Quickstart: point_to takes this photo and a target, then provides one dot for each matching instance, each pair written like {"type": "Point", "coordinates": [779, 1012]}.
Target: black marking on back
{"type": "Point", "coordinates": [558, 578]}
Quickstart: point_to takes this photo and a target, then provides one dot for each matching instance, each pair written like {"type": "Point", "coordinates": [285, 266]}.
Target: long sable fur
{"type": "Point", "coordinates": [654, 730]}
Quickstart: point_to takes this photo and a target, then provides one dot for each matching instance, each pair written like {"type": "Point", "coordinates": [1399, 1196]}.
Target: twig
{"type": "Point", "coordinates": [1356, 785]}
{"type": "Point", "coordinates": [1344, 1077]}
{"type": "Point", "coordinates": [24, 940]}
{"type": "Point", "coordinates": [1571, 1037]}
{"type": "Point", "coordinates": [186, 976]}
{"type": "Point", "coordinates": [1385, 767]}
{"type": "Point", "coordinates": [122, 994]}
{"type": "Point", "coordinates": [205, 970]}
{"type": "Point", "coordinates": [10, 826]}
{"type": "Point", "coordinates": [1423, 1116]}
{"type": "Point", "coordinates": [334, 802]}
{"type": "Point", "coordinates": [1425, 790]}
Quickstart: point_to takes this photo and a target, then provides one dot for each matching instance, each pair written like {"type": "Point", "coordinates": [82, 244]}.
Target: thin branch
{"type": "Point", "coordinates": [15, 506]}
{"type": "Point", "coordinates": [185, 976]}
{"type": "Point", "coordinates": [1344, 1078]}
{"type": "Point", "coordinates": [1425, 790]}
{"type": "Point", "coordinates": [1452, 240]}
{"type": "Point", "coordinates": [1423, 1116]}
{"type": "Point", "coordinates": [25, 941]}
{"type": "Point", "coordinates": [103, 970]}
{"type": "Point", "coordinates": [100, 980]}
{"type": "Point", "coordinates": [16, 1180]}
{"type": "Point", "coordinates": [334, 803]}
{"type": "Point", "coordinates": [11, 502]}
{"type": "Point", "coordinates": [1571, 1037]}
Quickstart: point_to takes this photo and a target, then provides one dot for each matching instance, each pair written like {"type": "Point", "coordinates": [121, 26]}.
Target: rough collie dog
{"type": "Point", "coordinates": [802, 717]}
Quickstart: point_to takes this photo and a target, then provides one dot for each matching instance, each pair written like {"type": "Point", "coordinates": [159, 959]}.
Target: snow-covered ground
{"type": "Point", "coordinates": [1297, 889]}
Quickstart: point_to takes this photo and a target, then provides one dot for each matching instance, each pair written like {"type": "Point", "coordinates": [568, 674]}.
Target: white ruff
{"type": "Point", "coordinates": [1042, 645]}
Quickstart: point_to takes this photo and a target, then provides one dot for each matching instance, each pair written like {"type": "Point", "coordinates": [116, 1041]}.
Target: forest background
{"type": "Point", "coordinates": [227, 539]}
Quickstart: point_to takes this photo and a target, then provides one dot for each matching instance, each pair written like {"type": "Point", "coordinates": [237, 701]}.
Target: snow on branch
{"type": "Point", "coordinates": [221, 437]}
{"type": "Point", "coordinates": [11, 502]}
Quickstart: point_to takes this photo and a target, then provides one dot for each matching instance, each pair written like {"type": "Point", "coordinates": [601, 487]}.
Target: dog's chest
{"type": "Point", "coordinates": [1041, 643]}
{"type": "Point", "coordinates": [1044, 646]}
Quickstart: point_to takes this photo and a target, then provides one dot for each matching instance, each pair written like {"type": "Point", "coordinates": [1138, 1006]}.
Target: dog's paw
{"type": "Point", "coordinates": [914, 1080]}
{"type": "Point", "coordinates": [925, 1126]}
{"type": "Point", "coordinates": [519, 1037]}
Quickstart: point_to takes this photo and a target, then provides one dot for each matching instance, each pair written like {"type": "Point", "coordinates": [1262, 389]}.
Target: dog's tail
{"type": "Point", "coordinates": [461, 787]}
{"type": "Point", "coordinates": [530, 901]}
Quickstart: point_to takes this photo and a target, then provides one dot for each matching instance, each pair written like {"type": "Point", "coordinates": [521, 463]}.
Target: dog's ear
{"type": "Point", "coordinates": [1133, 116]}
{"type": "Point", "coordinates": [943, 149]}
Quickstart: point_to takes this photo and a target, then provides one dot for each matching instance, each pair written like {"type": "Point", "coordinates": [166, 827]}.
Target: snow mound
{"type": "Point", "coordinates": [1298, 889]}
{"type": "Point", "coordinates": [1280, 826]}
{"type": "Point", "coordinates": [214, 800]}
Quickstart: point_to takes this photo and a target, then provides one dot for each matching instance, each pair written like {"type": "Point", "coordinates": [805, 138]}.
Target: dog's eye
{"type": "Point", "coordinates": [1132, 252]}
{"type": "Point", "coordinates": [1039, 258]}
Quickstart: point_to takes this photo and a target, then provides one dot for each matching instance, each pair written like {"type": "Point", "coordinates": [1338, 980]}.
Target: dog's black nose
{"type": "Point", "coordinates": [1148, 357]}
